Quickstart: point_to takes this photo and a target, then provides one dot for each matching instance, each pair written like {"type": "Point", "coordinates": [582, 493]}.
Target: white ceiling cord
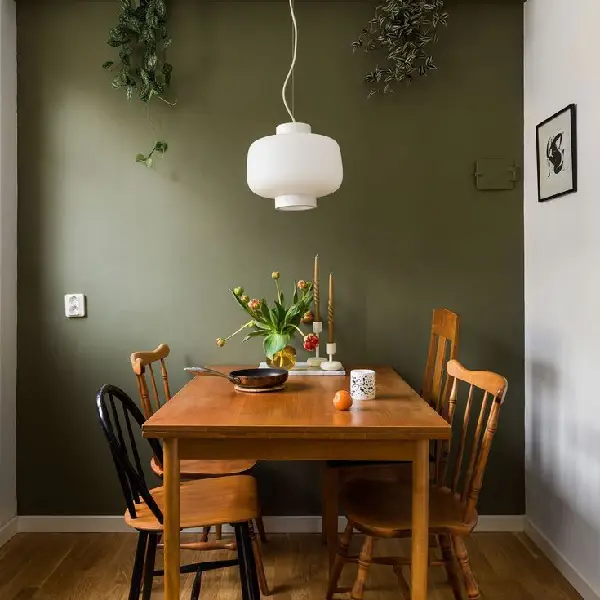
{"type": "Point", "coordinates": [292, 65]}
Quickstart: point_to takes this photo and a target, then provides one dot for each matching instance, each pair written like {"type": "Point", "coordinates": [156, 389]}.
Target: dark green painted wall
{"type": "Point", "coordinates": [155, 251]}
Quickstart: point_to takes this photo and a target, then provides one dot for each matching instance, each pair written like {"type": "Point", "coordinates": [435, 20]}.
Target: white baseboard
{"type": "Point", "coordinates": [8, 530]}
{"type": "Point", "coordinates": [73, 524]}
{"type": "Point", "coordinates": [561, 563]}
{"type": "Point", "coordinates": [500, 523]}
{"type": "Point", "coordinates": [312, 524]}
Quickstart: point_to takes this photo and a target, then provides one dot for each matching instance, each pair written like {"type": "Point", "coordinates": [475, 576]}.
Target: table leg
{"type": "Point", "coordinates": [420, 520]}
{"type": "Point", "coordinates": [330, 510]}
{"type": "Point", "coordinates": [171, 516]}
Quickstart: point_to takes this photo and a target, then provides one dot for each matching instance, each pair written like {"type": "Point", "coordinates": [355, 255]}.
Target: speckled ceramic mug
{"type": "Point", "coordinates": [362, 384]}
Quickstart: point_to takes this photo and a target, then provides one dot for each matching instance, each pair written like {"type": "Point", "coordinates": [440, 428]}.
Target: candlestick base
{"type": "Point", "coordinates": [316, 361]}
{"type": "Point", "coordinates": [317, 327]}
{"type": "Point", "coordinates": [332, 365]}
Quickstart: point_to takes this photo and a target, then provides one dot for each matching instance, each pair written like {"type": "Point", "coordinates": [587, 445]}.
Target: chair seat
{"type": "Point", "coordinates": [204, 501]}
{"type": "Point", "coordinates": [384, 509]}
{"type": "Point", "coordinates": [197, 469]}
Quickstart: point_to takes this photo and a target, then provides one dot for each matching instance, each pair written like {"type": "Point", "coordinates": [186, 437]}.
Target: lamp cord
{"type": "Point", "coordinates": [292, 65]}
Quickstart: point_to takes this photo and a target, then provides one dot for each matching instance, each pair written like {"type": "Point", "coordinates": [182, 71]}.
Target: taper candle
{"type": "Point", "coordinates": [330, 328]}
{"type": "Point", "coordinates": [316, 307]}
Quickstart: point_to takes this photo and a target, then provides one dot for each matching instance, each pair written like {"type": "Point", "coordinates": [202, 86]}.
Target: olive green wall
{"type": "Point", "coordinates": [156, 250]}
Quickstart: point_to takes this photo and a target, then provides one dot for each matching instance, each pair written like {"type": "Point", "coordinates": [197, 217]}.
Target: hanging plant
{"type": "Point", "coordinates": [159, 149]}
{"type": "Point", "coordinates": [142, 39]}
{"type": "Point", "coordinates": [403, 29]}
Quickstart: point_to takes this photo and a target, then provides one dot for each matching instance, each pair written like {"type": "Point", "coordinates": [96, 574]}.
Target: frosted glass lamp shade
{"type": "Point", "coordinates": [295, 167]}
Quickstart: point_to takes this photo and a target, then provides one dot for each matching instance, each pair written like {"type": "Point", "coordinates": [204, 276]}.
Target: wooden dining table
{"type": "Point", "coordinates": [208, 419]}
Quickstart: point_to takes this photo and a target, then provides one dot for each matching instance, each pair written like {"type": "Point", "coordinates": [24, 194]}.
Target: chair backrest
{"type": "Point", "coordinates": [443, 346]}
{"type": "Point", "coordinates": [141, 363]}
{"type": "Point", "coordinates": [119, 416]}
{"type": "Point", "coordinates": [465, 475]}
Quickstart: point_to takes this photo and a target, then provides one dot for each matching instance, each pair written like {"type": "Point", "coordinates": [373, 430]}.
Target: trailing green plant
{"type": "Point", "coordinates": [403, 30]}
{"type": "Point", "coordinates": [142, 39]}
{"type": "Point", "coordinates": [159, 149]}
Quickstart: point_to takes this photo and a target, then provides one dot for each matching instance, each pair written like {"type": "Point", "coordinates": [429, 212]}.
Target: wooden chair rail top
{"type": "Point", "coordinates": [209, 407]}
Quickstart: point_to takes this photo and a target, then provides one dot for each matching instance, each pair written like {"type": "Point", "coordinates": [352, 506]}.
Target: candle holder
{"type": "Point", "coordinates": [316, 360]}
{"type": "Point", "coordinates": [331, 365]}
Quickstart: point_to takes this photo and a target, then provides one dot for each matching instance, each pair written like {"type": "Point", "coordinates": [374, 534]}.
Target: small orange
{"type": "Point", "coordinates": [342, 400]}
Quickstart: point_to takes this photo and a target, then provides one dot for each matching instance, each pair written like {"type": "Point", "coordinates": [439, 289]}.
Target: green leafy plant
{"type": "Point", "coordinates": [277, 324]}
{"type": "Point", "coordinates": [142, 39]}
{"type": "Point", "coordinates": [403, 30]}
{"type": "Point", "coordinates": [159, 149]}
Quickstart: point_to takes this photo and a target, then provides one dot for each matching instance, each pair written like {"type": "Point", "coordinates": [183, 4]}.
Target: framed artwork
{"type": "Point", "coordinates": [556, 139]}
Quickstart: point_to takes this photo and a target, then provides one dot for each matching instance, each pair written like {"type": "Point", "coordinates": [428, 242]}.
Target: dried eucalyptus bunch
{"type": "Point", "coordinates": [142, 39]}
{"type": "Point", "coordinates": [403, 29]}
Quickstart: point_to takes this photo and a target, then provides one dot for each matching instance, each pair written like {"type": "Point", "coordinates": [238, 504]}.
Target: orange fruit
{"type": "Point", "coordinates": [342, 400]}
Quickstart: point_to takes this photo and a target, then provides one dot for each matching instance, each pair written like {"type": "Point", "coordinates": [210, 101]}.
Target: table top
{"type": "Point", "coordinates": [209, 407]}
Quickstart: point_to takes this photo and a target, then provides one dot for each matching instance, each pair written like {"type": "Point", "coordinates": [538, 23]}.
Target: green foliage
{"type": "Point", "coordinates": [142, 38]}
{"type": "Point", "coordinates": [159, 149]}
{"type": "Point", "coordinates": [274, 342]}
{"type": "Point", "coordinates": [402, 29]}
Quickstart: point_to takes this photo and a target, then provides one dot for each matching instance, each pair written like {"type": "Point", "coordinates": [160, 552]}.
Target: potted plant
{"type": "Point", "coordinates": [278, 323]}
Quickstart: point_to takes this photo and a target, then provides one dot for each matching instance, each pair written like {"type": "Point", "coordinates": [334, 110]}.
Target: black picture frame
{"type": "Point", "coordinates": [572, 149]}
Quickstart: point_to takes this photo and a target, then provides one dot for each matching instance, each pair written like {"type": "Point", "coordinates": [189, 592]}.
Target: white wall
{"type": "Point", "coordinates": [562, 294]}
{"type": "Point", "coordinates": [8, 260]}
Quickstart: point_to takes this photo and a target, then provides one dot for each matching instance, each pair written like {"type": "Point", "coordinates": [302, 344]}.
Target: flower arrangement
{"type": "Point", "coordinates": [277, 324]}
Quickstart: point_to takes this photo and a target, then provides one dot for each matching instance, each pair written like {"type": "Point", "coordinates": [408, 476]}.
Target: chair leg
{"type": "Point", "coordinates": [138, 567]}
{"type": "Point", "coordinates": [463, 560]}
{"type": "Point", "coordinates": [261, 529]}
{"type": "Point", "coordinates": [242, 561]}
{"type": "Point", "coordinates": [340, 560]}
{"type": "Point", "coordinates": [331, 501]}
{"type": "Point", "coordinates": [450, 565]}
{"type": "Point", "coordinates": [260, 567]}
{"type": "Point", "coordinates": [364, 562]}
{"type": "Point", "coordinates": [149, 566]}
{"type": "Point", "coordinates": [196, 586]}
{"type": "Point", "coordinates": [402, 583]}
{"type": "Point", "coordinates": [205, 532]}
{"type": "Point", "coordinates": [219, 531]}
{"type": "Point", "coordinates": [251, 574]}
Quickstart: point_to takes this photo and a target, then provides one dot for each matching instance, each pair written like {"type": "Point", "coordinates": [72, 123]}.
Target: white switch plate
{"type": "Point", "coordinates": [74, 305]}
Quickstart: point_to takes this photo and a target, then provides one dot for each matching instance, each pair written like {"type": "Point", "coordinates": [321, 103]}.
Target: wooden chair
{"type": "Point", "coordinates": [443, 346]}
{"type": "Point", "coordinates": [383, 509]}
{"type": "Point", "coordinates": [150, 398]}
{"type": "Point", "coordinates": [218, 500]}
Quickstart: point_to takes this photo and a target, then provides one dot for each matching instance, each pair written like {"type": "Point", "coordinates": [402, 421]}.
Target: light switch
{"type": "Point", "coordinates": [74, 305]}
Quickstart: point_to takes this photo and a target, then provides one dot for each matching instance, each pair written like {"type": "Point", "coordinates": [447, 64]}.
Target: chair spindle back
{"type": "Point", "coordinates": [465, 475]}
{"type": "Point", "coordinates": [443, 346]}
{"type": "Point", "coordinates": [141, 363]}
{"type": "Point", "coordinates": [115, 412]}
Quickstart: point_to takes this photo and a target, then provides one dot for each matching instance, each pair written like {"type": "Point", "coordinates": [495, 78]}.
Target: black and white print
{"type": "Point", "coordinates": [557, 154]}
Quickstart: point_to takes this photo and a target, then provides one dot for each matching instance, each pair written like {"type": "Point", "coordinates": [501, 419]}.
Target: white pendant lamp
{"type": "Point", "coordinates": [294, 166]}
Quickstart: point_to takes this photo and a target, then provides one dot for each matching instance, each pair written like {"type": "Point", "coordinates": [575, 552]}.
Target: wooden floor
{"type": "Point", "coordinates": [97, 567]}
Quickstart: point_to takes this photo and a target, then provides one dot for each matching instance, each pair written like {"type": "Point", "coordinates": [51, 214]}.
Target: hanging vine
{"type": "Point", "coordinates": [142, 39]}
{"type": "Point", "coordinates": [403, 29]}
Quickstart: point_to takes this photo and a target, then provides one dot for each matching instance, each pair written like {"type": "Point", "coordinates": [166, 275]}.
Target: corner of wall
{"type": "Point", "coordinates": [8, 265]}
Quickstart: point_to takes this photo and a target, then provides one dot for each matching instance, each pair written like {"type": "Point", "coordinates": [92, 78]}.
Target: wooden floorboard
{"type": "Point", "coordinates": [42, 566]}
